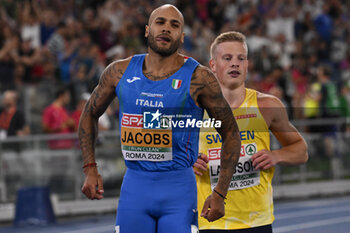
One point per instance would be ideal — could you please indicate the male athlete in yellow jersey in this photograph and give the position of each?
(249, 203)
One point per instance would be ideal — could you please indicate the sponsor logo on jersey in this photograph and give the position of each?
(245, 116)
(156, 95)
(133, 79)
(246, 150)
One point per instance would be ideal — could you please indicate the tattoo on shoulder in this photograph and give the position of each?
(104, 91)
(111, 72)
(196, 85)
(210, 79)
(204, 80)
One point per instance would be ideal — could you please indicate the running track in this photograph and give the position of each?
(331, 215)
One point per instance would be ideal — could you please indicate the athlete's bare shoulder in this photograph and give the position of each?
(104, 92)
(203, 71)
(114, 72)
(268, 101)
(203, 76)
(271, 107)
(123, 63)
(205, 84)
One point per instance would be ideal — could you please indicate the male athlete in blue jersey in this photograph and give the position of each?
(158, 193)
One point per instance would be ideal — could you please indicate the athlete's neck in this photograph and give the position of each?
(234, 96)
(157, 67)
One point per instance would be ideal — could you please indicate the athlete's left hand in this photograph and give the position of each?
(264, 159)
(213, 208)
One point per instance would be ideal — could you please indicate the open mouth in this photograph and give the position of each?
(234, 73)
(163, 38)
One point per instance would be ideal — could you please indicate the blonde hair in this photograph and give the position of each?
(231, 36)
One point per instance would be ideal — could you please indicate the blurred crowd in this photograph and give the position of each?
(52, 52)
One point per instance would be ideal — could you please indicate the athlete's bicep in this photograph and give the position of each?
(209, 96)
(280, 125)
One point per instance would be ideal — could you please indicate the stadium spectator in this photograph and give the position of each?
(330, 99)
(27, 56)
(56, 42)
(324, 24)
(258, 39)
(12, 121)
(91, 24)
(79, 82)
(56, 119)
(299, 77)
(48, 24)
(29, 24)
(106, 37)
(329, 108)
(66, 58)
(291, 34)
(9, 44)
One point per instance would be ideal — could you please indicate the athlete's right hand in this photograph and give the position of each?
(93, 184)
(213, 208)
(201, 164)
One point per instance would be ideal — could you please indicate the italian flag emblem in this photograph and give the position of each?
(176, 84)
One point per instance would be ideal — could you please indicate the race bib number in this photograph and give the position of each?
(244, 177)
(143, 144)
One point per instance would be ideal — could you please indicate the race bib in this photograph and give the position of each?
(244, 177)
(143, 144)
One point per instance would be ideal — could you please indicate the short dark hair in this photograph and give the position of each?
(61, 91)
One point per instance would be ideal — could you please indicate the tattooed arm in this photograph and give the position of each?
(206, 92)
(100, 98)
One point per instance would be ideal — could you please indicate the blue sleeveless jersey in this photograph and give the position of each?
(157, 118)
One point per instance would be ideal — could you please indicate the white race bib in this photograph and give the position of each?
(244, 177)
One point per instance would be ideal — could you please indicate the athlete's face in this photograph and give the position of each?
(165, 31)
(230, 63)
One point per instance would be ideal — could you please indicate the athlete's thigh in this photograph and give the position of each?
(135, 221)
(178, 221)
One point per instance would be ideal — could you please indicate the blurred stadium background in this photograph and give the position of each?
(47, 44)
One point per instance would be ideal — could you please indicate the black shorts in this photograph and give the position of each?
(262, 229)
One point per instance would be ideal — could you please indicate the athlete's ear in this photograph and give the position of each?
(212, 65)
(146, 31)
(183, 38)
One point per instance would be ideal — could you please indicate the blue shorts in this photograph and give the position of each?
(157, 202)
